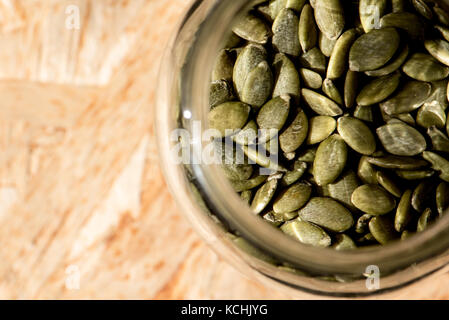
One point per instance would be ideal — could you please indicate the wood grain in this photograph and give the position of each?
(80, 186)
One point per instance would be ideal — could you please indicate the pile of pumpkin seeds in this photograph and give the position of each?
(358, 92)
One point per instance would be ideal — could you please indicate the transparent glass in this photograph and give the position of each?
(218, 214)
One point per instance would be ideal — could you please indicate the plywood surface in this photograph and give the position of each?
(84, 210)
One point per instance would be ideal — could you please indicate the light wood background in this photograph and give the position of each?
(84, 210)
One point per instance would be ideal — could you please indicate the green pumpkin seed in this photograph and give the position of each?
(228, 117)
(424, 220)
(243, 185)
(357, 135)
(370, 13)
(308, 155)
(439, 94)
(350, 90)
(439, 49)
(247, 135)
(246, 196)
(277, 5)
(438, 164)
(321, 104)
(327, 168)
(401, 139)
(307, 233)
(258, 85)
(403, 212)
(286, 77)
(441, 15)
(422, 195)
(372, 199)
(326, 45)
(378, 89)
(263, 196)
(317, 211)
(398, 5)
(293, 198)
(362, 223)
(366, 239)
(220, 92)
(342, 189)
(395, 63)
(259, 157)
(338, 60)
(431, 114)
(290, 177)
(423, 9)
(247, 60)
(285, 33)
(329, 16)
(364, 113)
(343, 242)
(366, 172)
(279, 218)
(395, 162)
(238, 171)
(223, 67)
(388, 183)
(373, 49)
(424, 67)
(444, 32)
(406, 21)
(252, 29)
(415, 174)
(406, 235)
(320, 128)
(410, 97)
(442, 198)
(440, 141)
(311, 78)
(331, 90)
(272, 117)
(307, 29)
(295, 134)
(315, 60)
(382, 230)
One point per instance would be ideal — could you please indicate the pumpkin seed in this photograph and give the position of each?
(343, 188)
(392, 66)
(247, 135)
(406, 21)
(277, 5)
(272, 117)
(403, 212)
(326, 45)
(314, 59)
(286, 78)
(406, 235)
(338, 60)
(439, 49)
(320, 128)
(410, 97)
(388, 183)
(357, 135)
(441, 15)
(395, 162)
(246, 196)
(260, 158)
(424, 67)
(285, 33)
(247, 60)
(382, 230)
(258, 85)
(290, 177)
(362, 223)
(321, 104)
(431, 114)
(307, 233)
(424, 220)
(243, 185)
(317, 211)
(350, 91)
(311, 78)
(307, 29)
(263, 196)
(444, 32)
(343, 242)
(331, 90)
(373, 199)
(422, 195)
(398, 5)
(364, 113)
(329, 16)
(401, 139)
(252, 29)
(228, 117)
(330, 160)
(440, 142)
(293, 198)
(415, 174)
(373, 49)
(378, 89)
(438, 163)
(422, 9)
(370, 13)
(442, 198)
(220, 92)
(224, 66)
(366, 172)
(295, 134)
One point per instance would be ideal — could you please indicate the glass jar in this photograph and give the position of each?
(219, 215)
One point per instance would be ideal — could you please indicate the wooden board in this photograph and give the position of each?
(84, 209)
